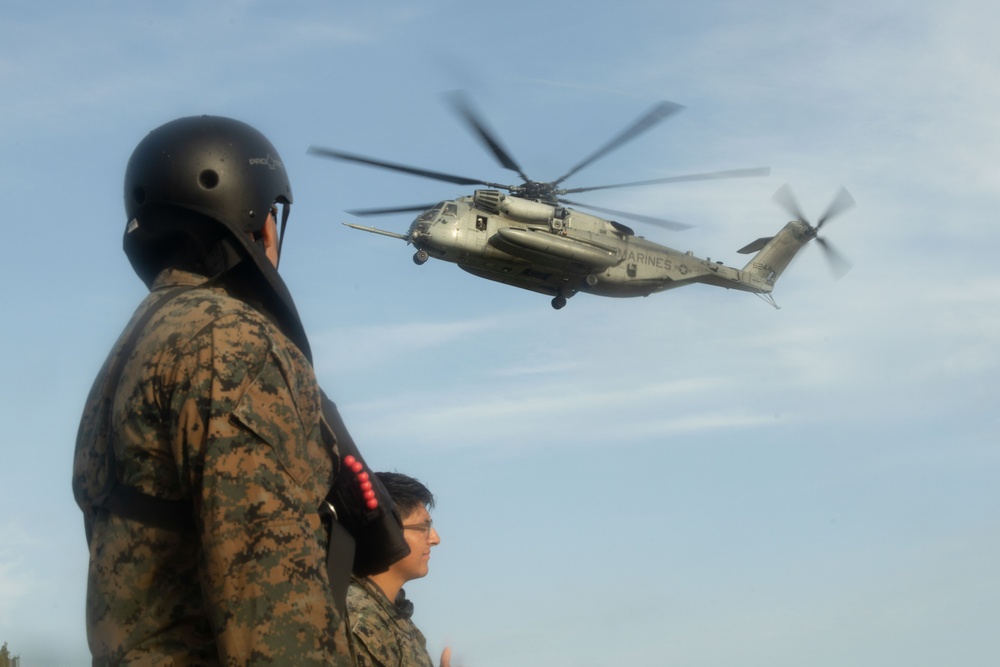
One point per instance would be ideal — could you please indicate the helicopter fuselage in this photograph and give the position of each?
(560, 251)
(530, 238)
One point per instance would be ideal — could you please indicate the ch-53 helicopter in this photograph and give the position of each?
(528, 236)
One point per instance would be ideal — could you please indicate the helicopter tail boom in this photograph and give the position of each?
(774, 255)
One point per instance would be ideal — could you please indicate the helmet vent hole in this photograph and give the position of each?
(138, 195)
(208, 179)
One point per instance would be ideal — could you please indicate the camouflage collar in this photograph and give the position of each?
(169, 277)
(402, 608)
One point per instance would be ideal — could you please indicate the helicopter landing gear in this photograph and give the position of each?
(558, 302)
(420, 256)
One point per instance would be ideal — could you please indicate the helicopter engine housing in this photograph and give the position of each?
(516, 208)
(526, 210)
(487, 200)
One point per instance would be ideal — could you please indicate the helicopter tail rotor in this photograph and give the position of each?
(839, 264)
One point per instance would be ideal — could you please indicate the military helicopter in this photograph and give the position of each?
(528, 235)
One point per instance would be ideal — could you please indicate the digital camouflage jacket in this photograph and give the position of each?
(383, 634)
(218, 409)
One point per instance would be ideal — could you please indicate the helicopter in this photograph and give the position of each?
(530, 236)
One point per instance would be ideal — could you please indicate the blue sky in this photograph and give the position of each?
(693, 478)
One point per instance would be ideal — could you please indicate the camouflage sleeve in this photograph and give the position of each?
(366, 656)
(251, 458)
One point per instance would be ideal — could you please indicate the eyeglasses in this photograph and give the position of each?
(424, 527)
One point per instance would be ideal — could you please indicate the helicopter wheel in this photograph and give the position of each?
(558, 302)
(420, 257)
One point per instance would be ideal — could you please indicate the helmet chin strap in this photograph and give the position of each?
(285, 209)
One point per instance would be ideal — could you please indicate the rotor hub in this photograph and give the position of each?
(538, 191)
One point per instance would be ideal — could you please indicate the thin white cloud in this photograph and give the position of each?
(551, 413)
(351, 348)
(547, 369)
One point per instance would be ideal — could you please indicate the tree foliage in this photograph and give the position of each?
(6, 659)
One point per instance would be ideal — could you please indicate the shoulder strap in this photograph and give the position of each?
(123, 499)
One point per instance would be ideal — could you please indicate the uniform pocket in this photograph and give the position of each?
(270, 410)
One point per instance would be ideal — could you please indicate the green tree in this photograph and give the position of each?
(6, 659)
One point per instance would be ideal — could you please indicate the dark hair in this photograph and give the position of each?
(406, 492)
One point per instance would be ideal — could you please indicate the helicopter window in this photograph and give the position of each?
(430, 214)
(451, 210)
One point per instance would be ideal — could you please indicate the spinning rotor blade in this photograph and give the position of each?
(362, 212)
(659, 222)
(839, 265)
(654, 116)
(463, 107)
(840, 203)
(784, 198)
(426, 173)
(732, 173)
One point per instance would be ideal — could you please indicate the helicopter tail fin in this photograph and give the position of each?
(773, 255)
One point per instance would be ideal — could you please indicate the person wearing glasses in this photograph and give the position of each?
(379, 615)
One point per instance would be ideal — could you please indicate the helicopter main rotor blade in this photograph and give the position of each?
(841, 202)
(659, 222)
(362, 212)
(463, 107)
(426, 173)
(651, 118)
(732, 173)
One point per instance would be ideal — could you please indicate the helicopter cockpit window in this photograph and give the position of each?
(451, 210)
(430, 214)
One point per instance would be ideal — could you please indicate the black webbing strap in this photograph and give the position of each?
(123, 499)
(285, 210)
(339, 556)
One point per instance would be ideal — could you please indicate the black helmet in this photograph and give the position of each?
(216, 166)
(199, 187)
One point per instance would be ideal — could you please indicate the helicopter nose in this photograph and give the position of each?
(418, 231)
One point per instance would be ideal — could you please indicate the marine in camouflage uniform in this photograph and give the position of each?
(378, 612)
(217, 411)
(383, 633)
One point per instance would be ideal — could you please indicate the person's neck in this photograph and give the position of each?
(389, 583)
